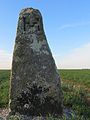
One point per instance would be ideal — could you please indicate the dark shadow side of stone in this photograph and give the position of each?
(35, 101)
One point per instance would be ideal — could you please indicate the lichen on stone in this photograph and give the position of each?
(35, 100)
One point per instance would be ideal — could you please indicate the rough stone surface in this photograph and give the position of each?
(35, 82)
(1, 118)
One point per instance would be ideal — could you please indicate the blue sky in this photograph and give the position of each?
(67, 27)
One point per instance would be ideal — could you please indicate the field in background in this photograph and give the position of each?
(4, 87)
(75, 86)
(81, 77)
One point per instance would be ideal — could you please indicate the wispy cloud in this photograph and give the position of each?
(74, 25)
(78, 58)
(5, 60)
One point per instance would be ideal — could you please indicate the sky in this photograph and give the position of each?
(66, 25)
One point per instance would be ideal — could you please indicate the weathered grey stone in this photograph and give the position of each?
(35, 82)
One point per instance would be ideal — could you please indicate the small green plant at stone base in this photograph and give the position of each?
(14, 117)
(64, 117)
(51, 118)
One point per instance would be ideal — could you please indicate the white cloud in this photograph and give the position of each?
(5, 60)
(74, 25)
(78, 58)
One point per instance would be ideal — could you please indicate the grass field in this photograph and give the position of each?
(81, 77)
(4, 87)
(75, 86)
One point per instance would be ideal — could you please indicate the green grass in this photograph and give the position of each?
(74, 97)
(79, 76)
(4, 87)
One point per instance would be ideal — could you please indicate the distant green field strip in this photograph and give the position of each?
(79, 76)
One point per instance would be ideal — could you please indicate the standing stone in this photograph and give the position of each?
(35, 82)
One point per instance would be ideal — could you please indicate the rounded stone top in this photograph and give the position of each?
(30, 20)
(28, 11)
